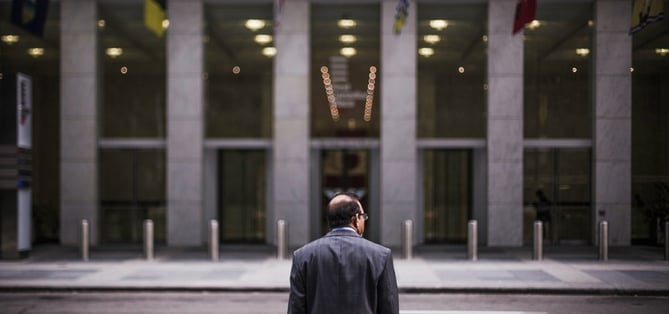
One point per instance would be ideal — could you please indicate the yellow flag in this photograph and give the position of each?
(644, 12)
(154, 14)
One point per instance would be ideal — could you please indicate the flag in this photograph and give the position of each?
(30, 15)
(154, 14)
(401, 15)
(645, 12)
(525, 12)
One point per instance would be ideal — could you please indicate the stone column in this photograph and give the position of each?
(185, 126)
(398, 124)
(78, 120)
(290, 181)
(612, 114)
(505, 126)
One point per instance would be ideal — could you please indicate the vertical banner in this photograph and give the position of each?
(24, 160)
(30, 15)
(24, 110)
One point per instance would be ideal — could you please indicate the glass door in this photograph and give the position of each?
(345, 170)
(557, 191)
(132, 189)
(447, 201)
(242, 196)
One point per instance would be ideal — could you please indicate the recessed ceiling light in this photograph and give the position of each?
(114, 52)
(102, 23)
(438, 24)
(10, 39)
(347, 39)
(662, 51)
(254, 24)
(426, 52)
(582, 51)
(269, 51)
(263, 39)
(347, 51)
(431, 39)
(346, 23)
(534, 24)
(36, 52)
(166, 23)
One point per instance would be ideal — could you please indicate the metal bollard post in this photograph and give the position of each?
(85, 238)
(148, 239)
(213, 240)
(472, 241)
(281, 239)
(666, 241)
(407, 239)
(604, 241)
(538, 241)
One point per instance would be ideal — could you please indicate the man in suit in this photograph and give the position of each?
(342, 272)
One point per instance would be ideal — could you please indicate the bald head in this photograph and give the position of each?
(341, 208)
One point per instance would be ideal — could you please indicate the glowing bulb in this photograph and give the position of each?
(36, 52)
(431, 39)
(254, 24)
(114, 52)
(438, 24)
(269, 51)
(346, 23)
(347, 39)
(426, 52)
(263, 39)
(347, 52)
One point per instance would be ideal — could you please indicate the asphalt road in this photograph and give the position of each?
(218, 302)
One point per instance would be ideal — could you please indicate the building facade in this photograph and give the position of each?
(248, 113)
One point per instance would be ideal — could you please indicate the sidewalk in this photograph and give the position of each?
(564, 270)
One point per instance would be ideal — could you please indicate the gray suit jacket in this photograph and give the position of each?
(343, 273)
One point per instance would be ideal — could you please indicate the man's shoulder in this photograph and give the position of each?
(375, 246)
(357, 241)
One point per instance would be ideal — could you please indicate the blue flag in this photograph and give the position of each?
(30, 15)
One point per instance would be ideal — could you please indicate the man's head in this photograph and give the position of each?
(345, 209)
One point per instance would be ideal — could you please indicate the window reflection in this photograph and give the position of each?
(238, 61)
(451, 70)
(650, 131)
(345, 44)
(557, 82)
(133, 73)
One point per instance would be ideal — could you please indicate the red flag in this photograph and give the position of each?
(525, 11)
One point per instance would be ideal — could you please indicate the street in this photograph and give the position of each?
(252, 302)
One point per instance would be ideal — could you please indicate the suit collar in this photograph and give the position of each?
(342, 232)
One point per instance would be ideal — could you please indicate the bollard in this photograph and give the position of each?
(213, 240)
(538, 253)
(281, 239)
(85, 237)
(148, 239)
(604, 241)
(407, 239)
(666, 241)
(472, 241)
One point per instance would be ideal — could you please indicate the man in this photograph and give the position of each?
(343, 272)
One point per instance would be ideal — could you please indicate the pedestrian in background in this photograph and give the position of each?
(342, 272)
